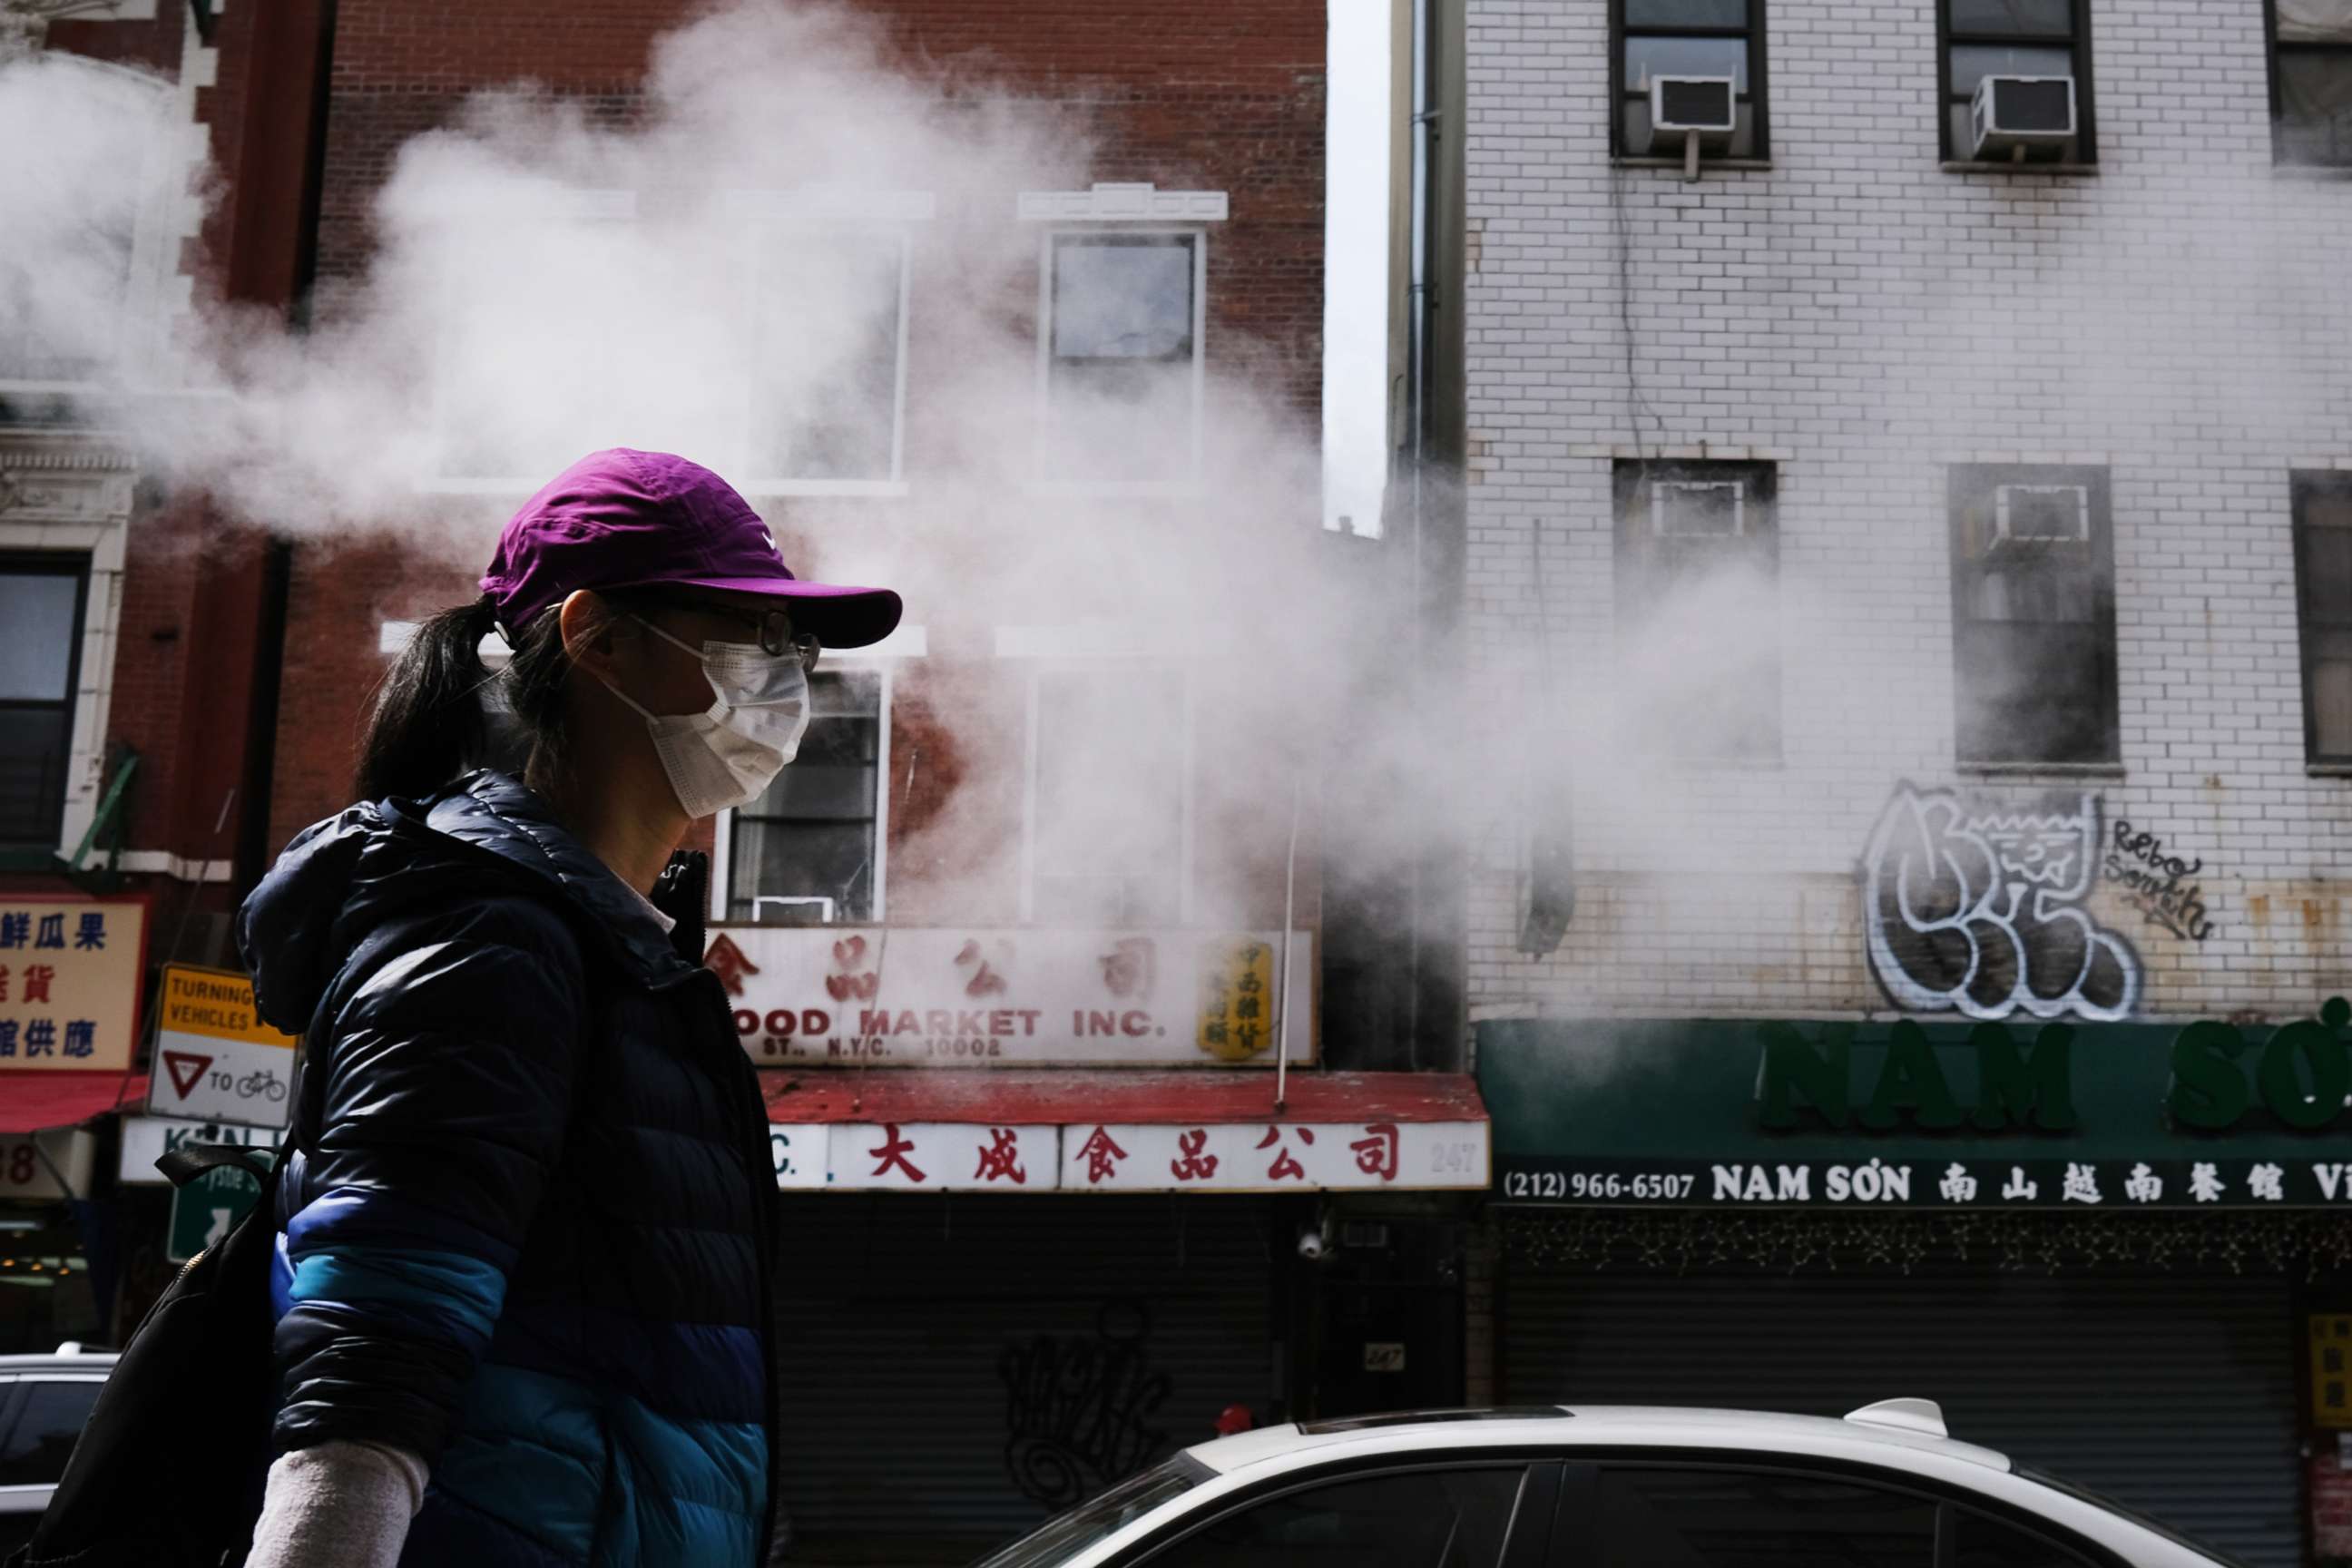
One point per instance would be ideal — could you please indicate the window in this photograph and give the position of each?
(2046, 38)
(828, 359)
(1688, 38)
(2033, 616)
(41, 599)
(1108, 797)
(1979, 1541)
(2323, 580)
(1699, 1518)
(2311, 81)
(1698, 565)
(50, 1418)
(1426, 1519)
(1120, 356)
(809, 851)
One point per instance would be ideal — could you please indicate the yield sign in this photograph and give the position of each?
(185, 1068)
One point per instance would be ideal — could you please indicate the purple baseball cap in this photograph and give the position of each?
(624, 519)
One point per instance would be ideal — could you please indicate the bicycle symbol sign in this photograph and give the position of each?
(226, 1064)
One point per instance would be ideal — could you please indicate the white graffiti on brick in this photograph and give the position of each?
(1982, 913)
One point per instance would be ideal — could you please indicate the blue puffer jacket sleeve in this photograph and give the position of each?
(449, 1068)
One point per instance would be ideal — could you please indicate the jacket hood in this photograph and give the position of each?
(342, 876)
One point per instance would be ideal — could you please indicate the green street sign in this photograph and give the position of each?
(206, 1210)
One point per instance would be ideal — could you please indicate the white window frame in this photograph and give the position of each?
(1089, 649)
(885, 656)
(1123, 209)
(747, 214)
(65, 495)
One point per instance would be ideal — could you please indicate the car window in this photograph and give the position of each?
(1420, 1518)
(1065, 1536)
(1979, 1541)
(48, 1419)
(1700, 1517)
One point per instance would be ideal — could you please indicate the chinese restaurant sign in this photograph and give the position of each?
(69, 979)
(1994, 1115)
(1256, 1157)
(932, 997)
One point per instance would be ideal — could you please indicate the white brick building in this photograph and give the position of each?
(2151, 343)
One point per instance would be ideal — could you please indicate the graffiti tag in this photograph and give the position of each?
(1980, 912)
(1078, 1410)
(2150, 881)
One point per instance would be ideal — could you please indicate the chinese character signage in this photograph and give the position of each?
(70, 981)
(2051, 1115)
(2331, 1369)
(215, 1060)
(1020, 997)
(1107, 1157)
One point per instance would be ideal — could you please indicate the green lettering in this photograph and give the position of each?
(2013, 1090)
(1792, 1066)
(2208, 1089)
(2331, 1075)
(1912, 1080)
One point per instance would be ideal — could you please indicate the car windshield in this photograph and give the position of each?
(1062, 1538)
(2084, 1494)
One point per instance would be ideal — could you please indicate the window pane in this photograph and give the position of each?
(810, 835)
(824, 367)
(2051, 18)
(2331, 707)
(1436, 1518)
(1729, 1519)
(2314, 21)
(2315, 105)
(2031, 693)
(1109, 830)
(2328, 572)
(1731, 14)
(1123, 299)
(1972, 63)
(1646, 58)
(1982, 1543)
(36, 653)
(46, 1426)
(33, 746)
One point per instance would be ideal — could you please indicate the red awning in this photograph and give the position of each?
(33, 1102)
(1016, 1096)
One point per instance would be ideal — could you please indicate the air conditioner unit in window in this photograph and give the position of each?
(1683, 108)
(2013, 114)
(2035, 516)
(1698, 508)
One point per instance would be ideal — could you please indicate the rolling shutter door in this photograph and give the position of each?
(2173, 1395)
(901, 1318)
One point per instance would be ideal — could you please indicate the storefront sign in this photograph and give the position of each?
(69, 979)
(1016, 998)
(1257, 1157)
(1992, 1115)
(31, 1165)
(147, 1139)
(215, 1059)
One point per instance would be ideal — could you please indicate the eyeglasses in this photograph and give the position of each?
(772, 629)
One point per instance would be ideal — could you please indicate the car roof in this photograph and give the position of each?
(66, 1361)
(1897, 1426)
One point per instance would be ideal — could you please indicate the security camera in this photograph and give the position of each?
(1311, 1243)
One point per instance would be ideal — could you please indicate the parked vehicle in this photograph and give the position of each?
(43, 1401)
(1884, 1487)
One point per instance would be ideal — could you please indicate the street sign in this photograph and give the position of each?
(215, 1060)
(206, 1210)
(147, 1139)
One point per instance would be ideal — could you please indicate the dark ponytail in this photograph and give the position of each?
(429, 724)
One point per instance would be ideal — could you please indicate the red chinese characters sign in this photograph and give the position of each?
(1022, 997)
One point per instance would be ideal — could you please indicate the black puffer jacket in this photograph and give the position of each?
(527, 1234)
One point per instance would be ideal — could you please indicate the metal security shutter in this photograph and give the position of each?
(896, 1315)
(2173, 1395)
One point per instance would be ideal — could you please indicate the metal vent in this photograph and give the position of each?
(1693, 103)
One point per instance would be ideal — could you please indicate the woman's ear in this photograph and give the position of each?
(587, 626)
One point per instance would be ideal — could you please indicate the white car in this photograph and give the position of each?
(1601, 1487)
(44, 1400)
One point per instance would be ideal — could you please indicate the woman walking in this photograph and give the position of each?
(526, 1214)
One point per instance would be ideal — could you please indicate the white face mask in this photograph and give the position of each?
(732, 752)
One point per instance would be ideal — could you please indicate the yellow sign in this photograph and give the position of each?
(2331, 1369)
(217, 1004)
(69, 978)
(1237, 1003)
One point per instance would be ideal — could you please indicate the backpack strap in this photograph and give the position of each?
(183, 1165)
